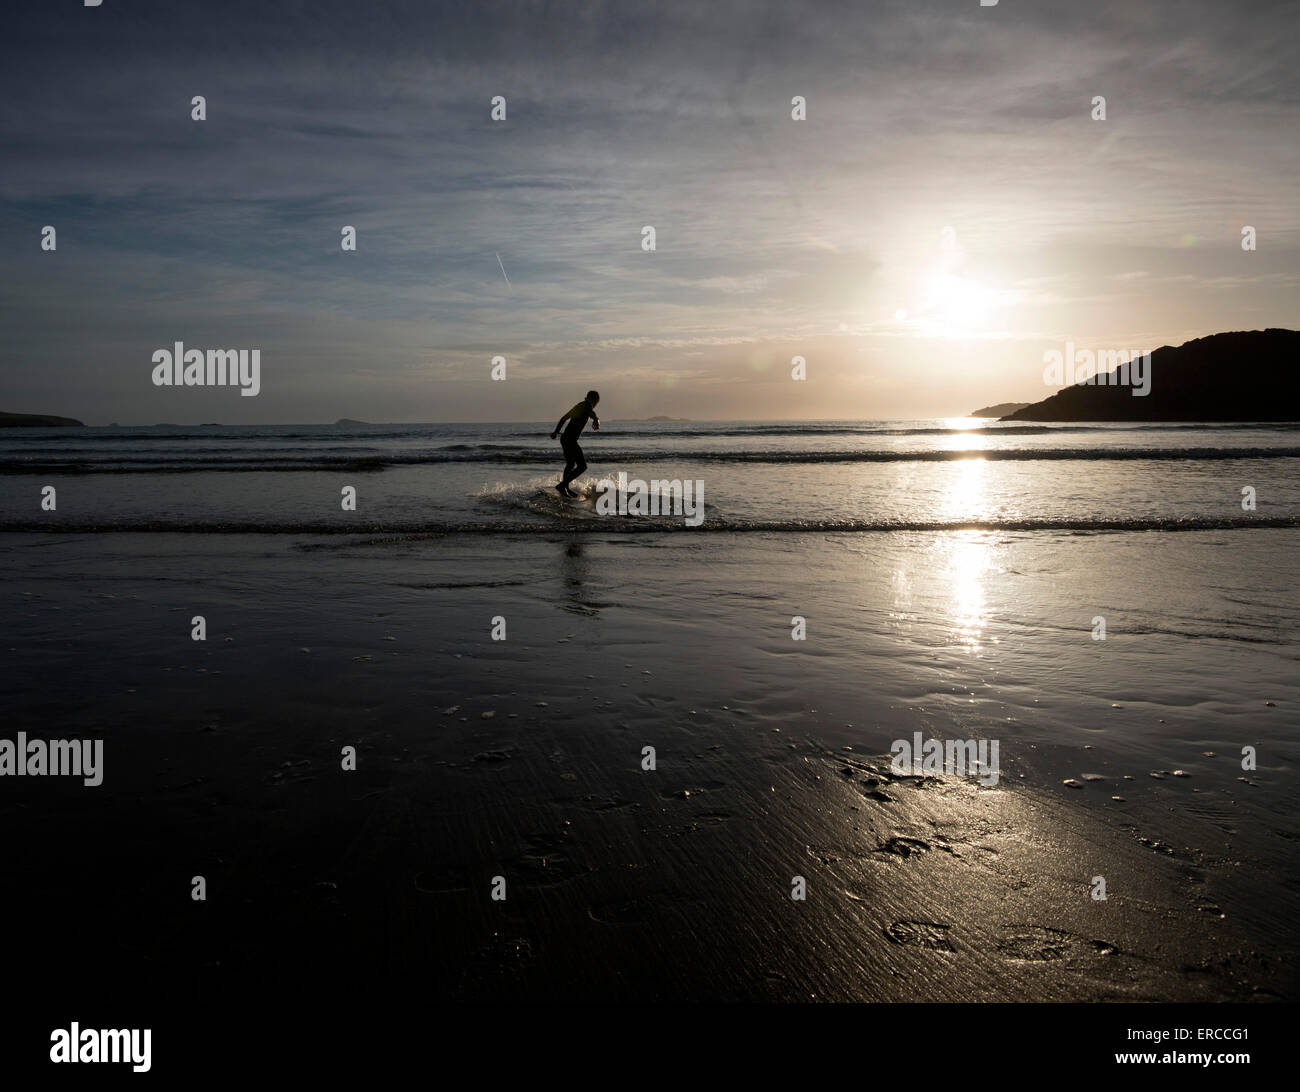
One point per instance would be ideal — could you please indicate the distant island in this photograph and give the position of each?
(1238, 376)
(349, 421)
(1002, 409)
(659, 418)
(38, 420)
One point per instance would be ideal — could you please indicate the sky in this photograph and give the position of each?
(947, 211)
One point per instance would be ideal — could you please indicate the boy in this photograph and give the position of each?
(574, 463)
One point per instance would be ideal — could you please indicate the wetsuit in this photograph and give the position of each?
(574, 463)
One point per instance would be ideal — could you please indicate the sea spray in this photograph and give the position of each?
(658, 497)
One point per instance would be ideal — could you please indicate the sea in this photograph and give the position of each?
(756, 475)
(1115, 604)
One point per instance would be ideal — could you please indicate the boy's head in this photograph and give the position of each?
(593, 397)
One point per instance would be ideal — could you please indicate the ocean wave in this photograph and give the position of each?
(1010, 428)
(633, 525)
(455, 437)
(228, 463)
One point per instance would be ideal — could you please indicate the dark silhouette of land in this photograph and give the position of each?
(1002, 409)
(1239, 376)
(37, 420)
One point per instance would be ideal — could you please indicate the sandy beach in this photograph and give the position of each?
(522, 759)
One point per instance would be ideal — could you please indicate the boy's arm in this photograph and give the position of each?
(595, 421)
(558, 425)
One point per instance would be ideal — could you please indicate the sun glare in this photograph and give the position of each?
(954, 301)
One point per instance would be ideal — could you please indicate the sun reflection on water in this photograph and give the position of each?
(964, 498)
(946, 582)
(969, 560)
(969, 552)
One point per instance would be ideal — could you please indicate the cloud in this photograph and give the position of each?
(675, 115)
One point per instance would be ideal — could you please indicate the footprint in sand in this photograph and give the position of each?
(545, 861)
(921, 934)
(904, 847)
(1040, 944)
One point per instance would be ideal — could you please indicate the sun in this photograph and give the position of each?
(954, 301)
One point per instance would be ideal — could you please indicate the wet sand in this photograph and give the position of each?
(223, 760)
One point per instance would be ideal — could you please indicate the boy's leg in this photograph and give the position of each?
(573, 463)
